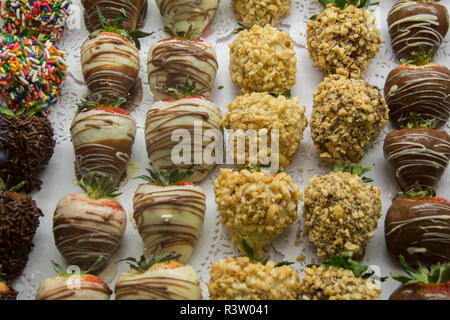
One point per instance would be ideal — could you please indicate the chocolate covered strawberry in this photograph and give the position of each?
(135, 13)
(417, 227)
(424, 284)
(418, 153)
(188, 112)
(420, 87)
(110, 62)
(417, 24)
(160, 277)
(74, 286)
(103, 138)
(169, 212)
(19, 220)
(86, 227)
(184, 16)
(171, 61)
(6, 293)
(26, 145)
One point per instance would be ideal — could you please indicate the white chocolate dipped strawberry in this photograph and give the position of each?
(184, 15)
(186, 111)
(110, 62)
(171, 61)
(103, 138)
(70, 286)
(158, 278)
(169, 213)
(88, 226)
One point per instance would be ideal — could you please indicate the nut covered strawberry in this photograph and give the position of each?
(169, 212)
(171, 61)
(418, 153)
(424, 284)
(417, 24)
(103, 138)
(158, 278)
(86, 227)
(417, 226)
(110, 62)
(70, 286)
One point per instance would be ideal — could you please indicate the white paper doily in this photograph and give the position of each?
(214, 242)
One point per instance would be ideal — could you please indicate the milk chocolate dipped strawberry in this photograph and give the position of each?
(418, 154)
(19, 220)
(182, 16)
(417, 227)
(171, 61)
(424, 284)
(26, 145)
(420, 87)
(86, 227)
(417, 24)
(102, 137)
(187, 111)
(160, 277)
(135, 13)
(110, 62)
(6, 293)
(74, 286)
(169, 212)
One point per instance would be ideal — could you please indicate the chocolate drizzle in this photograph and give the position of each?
(423, 90)
(163, 118)
(418, 156)
(136, 13)
(65, 288)
(19, 220)
(419, 231)
(171, 217)
(417, 24)
(26, 147)
(170, 62)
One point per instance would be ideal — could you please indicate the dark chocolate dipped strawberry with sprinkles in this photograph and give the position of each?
(19, 220)
(418, 153)
(6, 292)
(423, 284)
(418, 86)
(26, 145)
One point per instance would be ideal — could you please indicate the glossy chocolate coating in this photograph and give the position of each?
(413, 292)
(417, 155)
(416, 24)
(424, 90)
(419, 231)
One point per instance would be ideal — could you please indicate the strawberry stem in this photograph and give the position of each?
(61, 272)
(437, 274)
(145, 264)
(89, 105)
(418, 192)
(100, 187)
(189, 89)
(354, 169)
(416, 121)
(4, 186)
(163, 178)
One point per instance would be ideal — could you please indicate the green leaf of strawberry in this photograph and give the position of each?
(100, 187)
(416, 121)
(144, 264)
(89, 105)
(354, 169)
(61, 272)
(437, 274)
(250, 253)
(163, 178)
(4, 186)
(418, 192)
(189, 89)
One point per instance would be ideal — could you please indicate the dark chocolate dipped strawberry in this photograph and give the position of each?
(19, 220)
(110, 63)
(86, 227)
(418, 153)
(420, 87)
(136, 13)
(424, 284)
(26, 145)
(74, 286)
(417, 24)
(103, 138)
(171, 61)
(417, 226)
(6, 292)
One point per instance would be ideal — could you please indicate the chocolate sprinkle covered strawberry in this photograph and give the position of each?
(417, 24)
(19, 220)
(169, 212)
(26, 145)
(418, 154)
(417, 227)
(424, 284)
(86, 227)
(135, 13)
(6, 293)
